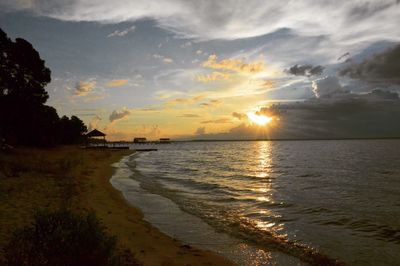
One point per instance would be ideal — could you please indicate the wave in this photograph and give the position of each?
(329, 204)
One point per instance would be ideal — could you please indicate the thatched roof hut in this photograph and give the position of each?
(94, 136)
(95, 133)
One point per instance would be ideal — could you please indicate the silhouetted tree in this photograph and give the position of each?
(23, 74)
(71, 130)
(24, 119)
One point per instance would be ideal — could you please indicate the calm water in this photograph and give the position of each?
(339, 198)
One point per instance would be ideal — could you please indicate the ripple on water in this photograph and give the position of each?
(338, 198)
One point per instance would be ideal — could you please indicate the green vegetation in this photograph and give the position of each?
(62, 238)
(43, 178)
(55, 180)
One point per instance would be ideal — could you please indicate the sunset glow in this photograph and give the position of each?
(264, 132)
(178, 70)
(260, 120)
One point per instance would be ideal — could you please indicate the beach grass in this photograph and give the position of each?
(78, 180)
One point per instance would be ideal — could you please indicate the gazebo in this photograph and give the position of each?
(96, 137)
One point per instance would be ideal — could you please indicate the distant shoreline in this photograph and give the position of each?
(233, 140)
(215, 140)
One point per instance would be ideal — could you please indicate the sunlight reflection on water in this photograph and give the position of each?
(339, 197)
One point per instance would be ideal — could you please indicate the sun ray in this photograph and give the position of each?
(260, 120)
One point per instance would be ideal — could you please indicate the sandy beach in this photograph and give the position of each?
(68, 176)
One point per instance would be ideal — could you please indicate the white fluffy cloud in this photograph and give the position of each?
(347, 21)
(326, 87)
(121, 33)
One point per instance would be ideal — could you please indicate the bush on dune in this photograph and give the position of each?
(62, 238)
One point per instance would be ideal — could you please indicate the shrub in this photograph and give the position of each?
(62, 238)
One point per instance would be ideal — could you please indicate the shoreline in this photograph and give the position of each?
(80, 179)
(164, 214)
(162, 210)
(151, 246)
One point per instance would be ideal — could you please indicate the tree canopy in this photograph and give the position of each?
(24, 117)
(70, 130)
(23, 74)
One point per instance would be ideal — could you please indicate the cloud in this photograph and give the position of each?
(239, 116)
(211, 103)
(364, 10)
(94, 123)
(121, 33)
(164, 59)
(119, 114)
(150, 109)
(18, 4)
(83, 88)
(82, 115)
(148, 131)
(158, 56)
(217, 121)
(185, 101)
(367, 115)
(168, 60)
(231, 19)
(347, 54)
(200, 131)
(87, 110)
(305, 70)
(380, 95)
(186, 44)
(216, 75)
(179, 101)
(189, 115)
(371, 115)
(263, 84)
(95, 97)
(117, 83)
(380, 68)
(327, 87)
(234, 65)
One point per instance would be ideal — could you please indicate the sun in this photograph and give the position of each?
(260, 120)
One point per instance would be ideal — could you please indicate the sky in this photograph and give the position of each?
(187, 69)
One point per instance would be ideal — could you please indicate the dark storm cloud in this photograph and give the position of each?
(346, 115)
(370, 115)
(381, 68)
(305, 70)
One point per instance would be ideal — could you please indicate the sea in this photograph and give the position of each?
(315, 202)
